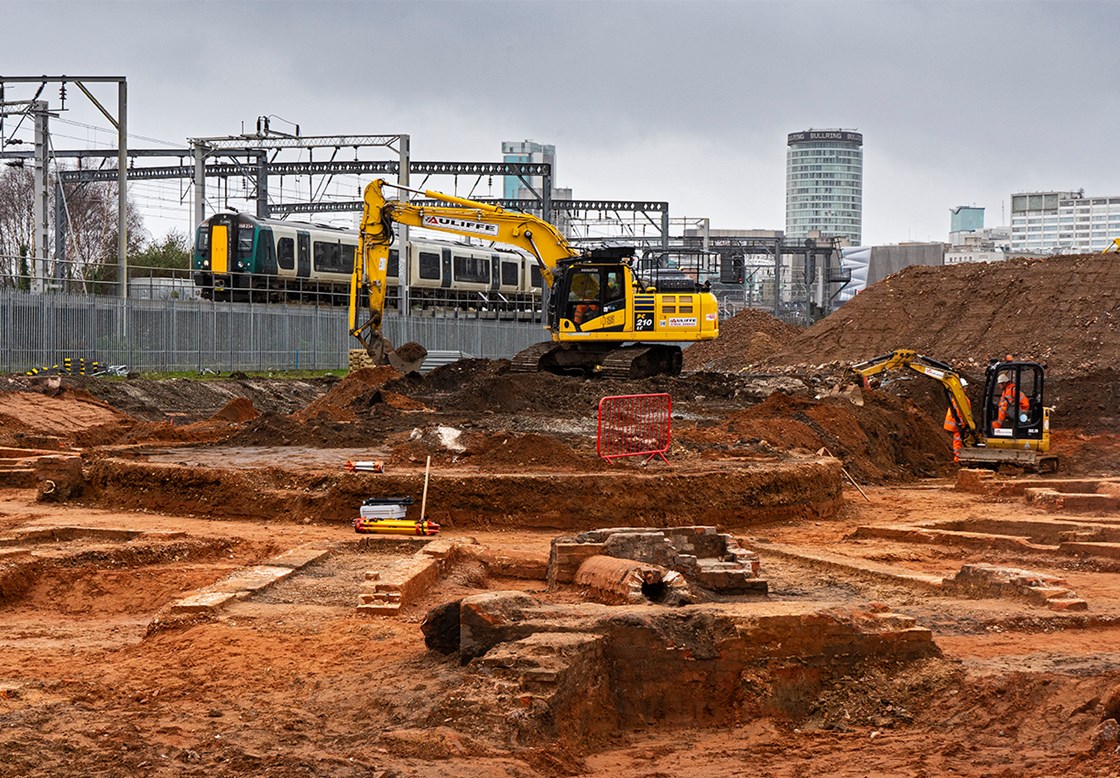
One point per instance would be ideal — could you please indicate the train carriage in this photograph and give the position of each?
(241, 257)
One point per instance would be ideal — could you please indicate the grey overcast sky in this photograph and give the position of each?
(960, 103)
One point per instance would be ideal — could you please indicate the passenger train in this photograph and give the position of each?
(244, 258)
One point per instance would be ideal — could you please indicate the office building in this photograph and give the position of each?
(824, 185)
(1063, 222)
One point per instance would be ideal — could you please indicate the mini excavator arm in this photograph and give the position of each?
(1113, 247)
(906, 359)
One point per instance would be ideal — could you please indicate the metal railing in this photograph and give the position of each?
(180, 334)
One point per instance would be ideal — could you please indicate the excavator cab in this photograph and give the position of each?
(1014, 407)
(588, 292)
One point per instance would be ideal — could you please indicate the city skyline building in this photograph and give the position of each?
(966, 218)
(526, 151)
(1063, 222)
(824, 185)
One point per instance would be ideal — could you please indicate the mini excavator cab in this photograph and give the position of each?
(1014, 406)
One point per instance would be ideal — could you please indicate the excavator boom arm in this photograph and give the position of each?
(906, 359)
(464, 217)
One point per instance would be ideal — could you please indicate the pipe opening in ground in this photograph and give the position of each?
(654, 591)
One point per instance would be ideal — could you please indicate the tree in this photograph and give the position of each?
(91, 215)
(162, 259)
(16, 226)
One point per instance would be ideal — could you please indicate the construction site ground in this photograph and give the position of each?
(180, 579)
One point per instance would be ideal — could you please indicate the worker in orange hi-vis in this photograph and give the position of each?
(954, 426)
(1008, 401)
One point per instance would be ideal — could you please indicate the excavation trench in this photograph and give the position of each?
(725, 493)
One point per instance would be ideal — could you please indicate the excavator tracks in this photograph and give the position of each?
(642, 362)
(627, 363)
(528, 360)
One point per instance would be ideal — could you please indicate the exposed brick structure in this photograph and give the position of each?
(705, 557)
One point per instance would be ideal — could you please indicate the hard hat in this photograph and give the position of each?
(964, 382)
(1003, 378)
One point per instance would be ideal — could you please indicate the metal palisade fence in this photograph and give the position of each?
(41, 330)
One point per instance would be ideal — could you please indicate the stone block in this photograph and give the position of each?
(397, 587)
(510, 564)
(486, 620)
(974, 480)
(566, 556)
(1067, 604)
(58, 477)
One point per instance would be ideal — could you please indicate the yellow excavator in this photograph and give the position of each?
(1014, 422)
(603, 317)
(1113, 247)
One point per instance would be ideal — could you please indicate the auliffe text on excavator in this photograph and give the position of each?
(603, 317)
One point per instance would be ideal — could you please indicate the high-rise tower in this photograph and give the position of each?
(526, 151)
(824, 184)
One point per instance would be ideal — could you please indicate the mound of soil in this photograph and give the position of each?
(887, 439)
(510, 448)
(357, 392)
(1082, 454)
(1063, 311)
(237, 409)
(274, 429)
(453, 376)
(745, 339)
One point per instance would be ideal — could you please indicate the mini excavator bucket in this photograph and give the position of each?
(851, 391)
(408, 358)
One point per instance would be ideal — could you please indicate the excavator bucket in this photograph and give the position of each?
(409, 358)
(852, 392)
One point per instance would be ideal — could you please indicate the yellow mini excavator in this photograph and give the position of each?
(603, 317)
(1014, 422)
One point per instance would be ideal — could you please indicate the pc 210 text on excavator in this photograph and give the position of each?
(1014, 422)
(603, 317)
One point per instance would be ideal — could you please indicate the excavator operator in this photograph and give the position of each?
(1007, 401)
(585, 292)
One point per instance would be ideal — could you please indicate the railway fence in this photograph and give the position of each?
(172, 335)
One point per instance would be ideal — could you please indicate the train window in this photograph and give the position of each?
(429, 264)
(394, 269)
(471, 269)
(509, 274)
(346, 258)
(535, 275)
(328, 258)
(286, 253)
(244, 242)
(203, 239)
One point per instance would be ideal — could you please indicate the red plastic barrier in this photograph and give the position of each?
(635, 425)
